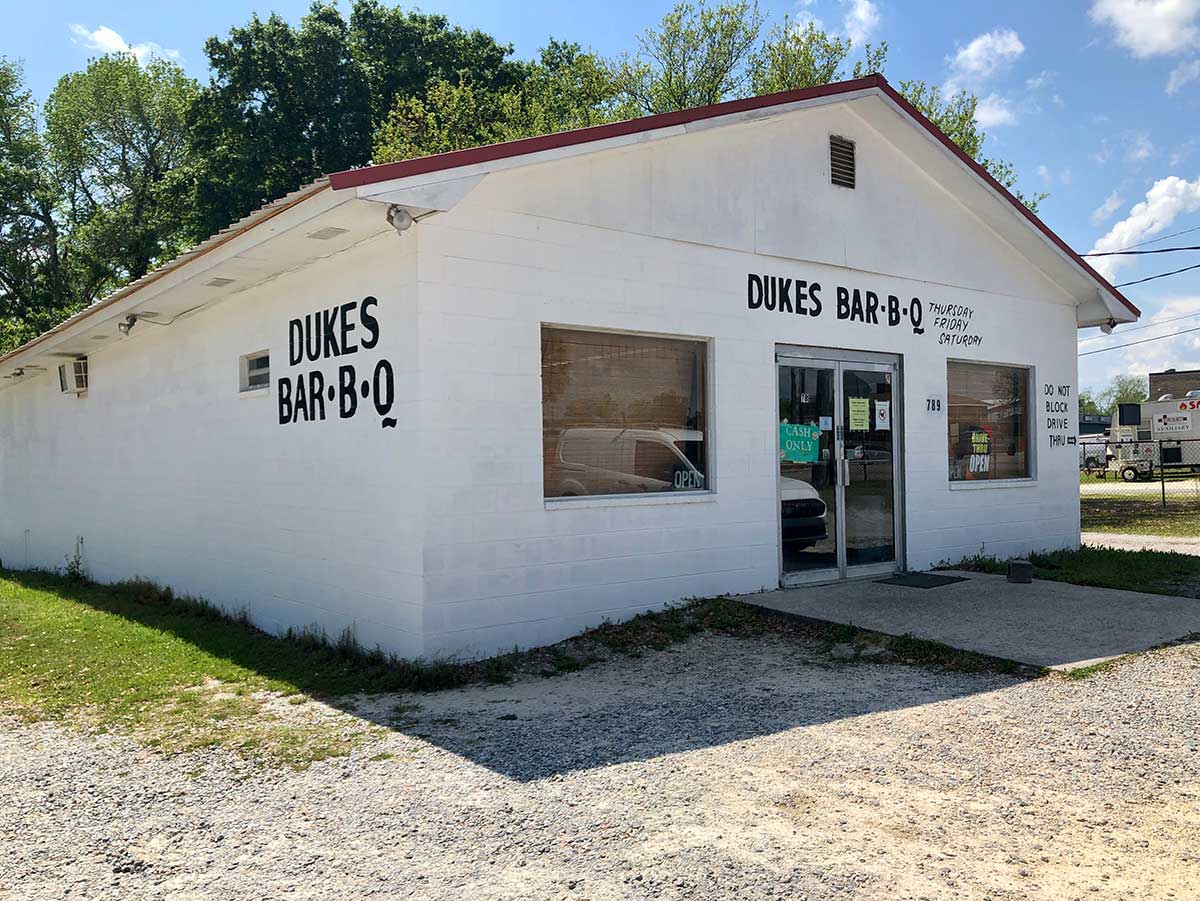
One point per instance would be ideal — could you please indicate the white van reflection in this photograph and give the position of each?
(802, 514)
(623, 461)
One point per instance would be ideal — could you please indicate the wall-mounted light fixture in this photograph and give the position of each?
(127, 326)
(1107, 328)
(399, 218)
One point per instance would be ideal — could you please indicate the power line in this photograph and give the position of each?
(1138, 328)
(1088, 353)
(1162, 238)
(1151, 278)
(1134, 253)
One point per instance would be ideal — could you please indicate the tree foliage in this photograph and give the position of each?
(566, 88)
(697, 55)
(117, 137)
(34, 277)
(795, 56)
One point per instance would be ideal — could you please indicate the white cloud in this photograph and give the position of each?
(1183, 74)
(984, 56)
(861, 20)
(1057, 100)
(1138, 146)
(1040, 80)
(105, 40)
(1150, 27)
(1044, 172)
(1167, 199)
(1178, 351)
(994, 110)
(1106, 210)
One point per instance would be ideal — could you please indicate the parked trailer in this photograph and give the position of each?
(1158, 434)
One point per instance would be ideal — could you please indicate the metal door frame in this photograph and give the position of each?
(837, 360)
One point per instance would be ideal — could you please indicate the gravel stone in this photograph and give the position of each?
(720, 768)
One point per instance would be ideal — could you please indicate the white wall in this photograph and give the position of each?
(660, 238)
(169, 473)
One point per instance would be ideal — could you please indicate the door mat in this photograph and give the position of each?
(921, 580)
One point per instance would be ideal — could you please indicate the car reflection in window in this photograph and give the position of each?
(597, 461)
(803, 514)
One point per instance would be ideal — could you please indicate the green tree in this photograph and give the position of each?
(793, 57)
(284, 106)
(696, 56)
(566, 88)
(448, 117)
(39, 281)
(1089, 405)
(402, 54)
(117, 137)
(1123, 389)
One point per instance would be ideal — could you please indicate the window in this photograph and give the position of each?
(256, 371)
(988, 414)
(622, 414)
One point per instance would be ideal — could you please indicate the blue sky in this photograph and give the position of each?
(1096, 102)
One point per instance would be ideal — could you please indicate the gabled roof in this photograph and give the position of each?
(465, 166)
(509, 150)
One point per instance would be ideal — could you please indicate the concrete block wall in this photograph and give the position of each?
(169, 473)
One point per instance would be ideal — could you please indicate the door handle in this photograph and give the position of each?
(845, 472)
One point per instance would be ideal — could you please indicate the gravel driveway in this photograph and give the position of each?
(722, 768)
(1125, 542)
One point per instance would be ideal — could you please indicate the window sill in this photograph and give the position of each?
(255, 392)
(977, 484)
(630, 500)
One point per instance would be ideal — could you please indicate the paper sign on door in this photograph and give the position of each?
(860, 414)
(799, 443)
(883, 415)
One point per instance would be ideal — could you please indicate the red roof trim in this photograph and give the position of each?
(353, 178)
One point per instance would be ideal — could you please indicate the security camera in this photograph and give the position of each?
(1107, 328)
(399, 218)
(127, 326)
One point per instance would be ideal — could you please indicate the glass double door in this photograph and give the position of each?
(839, 497)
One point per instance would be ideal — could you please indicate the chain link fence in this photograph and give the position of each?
(1127, 485)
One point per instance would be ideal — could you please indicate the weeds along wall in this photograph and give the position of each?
(167, 471)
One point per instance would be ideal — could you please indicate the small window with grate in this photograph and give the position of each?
(841, 161)
(255, 371)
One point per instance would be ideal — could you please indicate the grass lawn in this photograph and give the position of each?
(1136, 508)
(1155, 572)
(178, 675)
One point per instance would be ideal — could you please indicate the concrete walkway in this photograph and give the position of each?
(1048, 624)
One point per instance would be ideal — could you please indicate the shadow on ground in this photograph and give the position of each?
(730, 673)
(710, 691)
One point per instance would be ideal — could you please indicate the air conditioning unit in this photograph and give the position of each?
(73, 376)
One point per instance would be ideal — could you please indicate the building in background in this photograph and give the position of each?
(494, 397)
(1176, 382)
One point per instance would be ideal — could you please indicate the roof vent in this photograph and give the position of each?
(219, 282)
(330, 231)
(841, 161)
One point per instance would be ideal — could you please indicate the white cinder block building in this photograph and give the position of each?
(493, 397)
